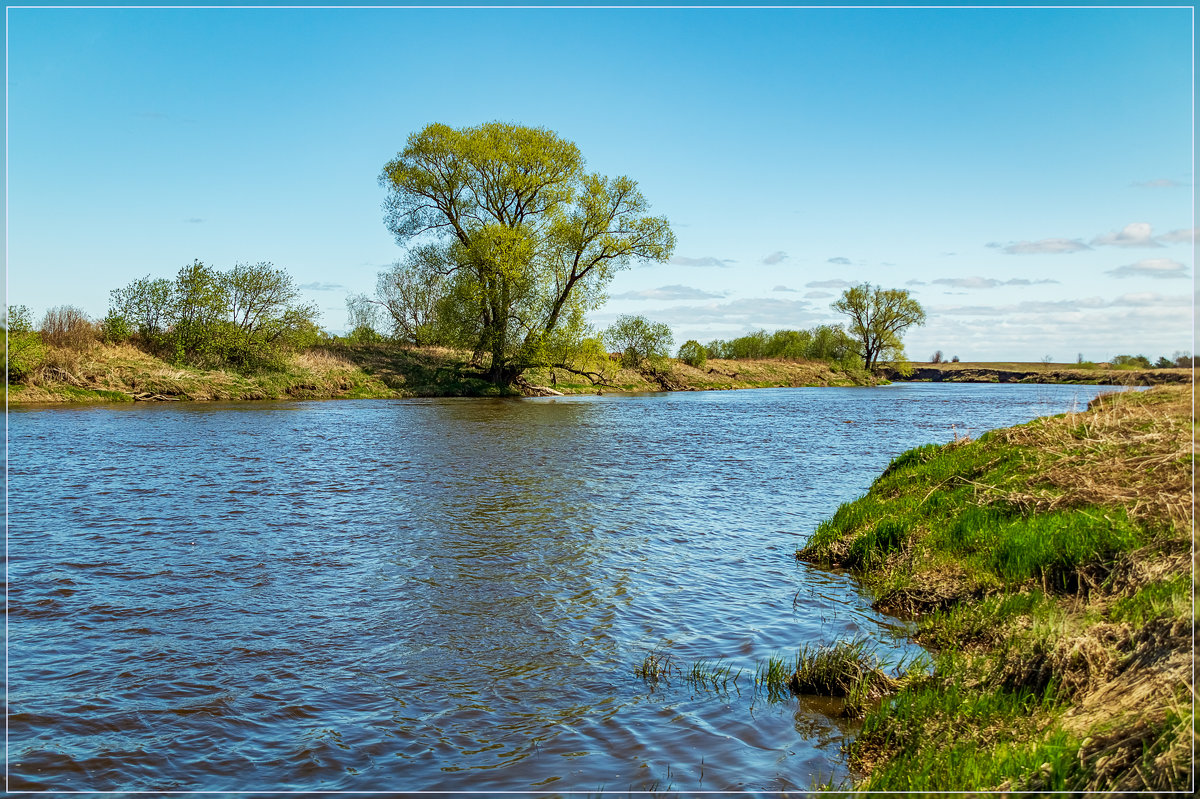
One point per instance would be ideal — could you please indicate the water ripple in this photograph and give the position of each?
(440, 594)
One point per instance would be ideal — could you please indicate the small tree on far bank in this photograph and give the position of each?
(878, 319)
(693, 354)
(640, 341)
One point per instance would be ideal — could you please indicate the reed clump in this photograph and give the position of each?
(847, 670)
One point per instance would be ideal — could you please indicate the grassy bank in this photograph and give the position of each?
(1048, 567)
(122, 373)
(1018, 372)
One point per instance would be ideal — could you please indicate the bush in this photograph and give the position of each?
(115, 329)
(246, 317)
(640, 341)
(68, 326)
(936, 357)
(1130, 362)
(24, 351)
(954, 359)
(364, 334)
(693, 354)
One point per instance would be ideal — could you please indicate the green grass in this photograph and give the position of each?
(941, 507)
(985, 622)
(1046, 567)
(715, 674)
(1171, 597)
(942, 732)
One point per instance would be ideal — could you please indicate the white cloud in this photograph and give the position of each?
(775, 257)
(1148, 299)
(317, 286)
(1067, 307)
(828, 284)
(1160, 183)
(1042, 247)
(986, 282)
(818, 295)
(755, 312)
(783, 288)
(1179, 236)
(840, 260)
(915, 282)
(675, 292)
(1135, 234)
(1151, 267)
(680, 260)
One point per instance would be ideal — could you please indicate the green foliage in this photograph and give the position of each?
(246, 317)
(1130, 362)
(828, 343)
(24, 351)
(878, 318)
(510, 239)
(1163, 362)
(115, 329)
(693, 354)
(362, 318)
(984, 621)
(640, 341)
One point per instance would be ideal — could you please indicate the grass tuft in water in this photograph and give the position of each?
(656, 666)
(847, 669)
(716, 675)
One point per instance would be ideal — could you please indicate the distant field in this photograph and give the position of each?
(1038, 372)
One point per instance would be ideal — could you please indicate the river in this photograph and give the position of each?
(442, 594)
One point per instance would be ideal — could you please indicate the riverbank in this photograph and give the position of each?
(1048, 567)
(1009, 372)
(122, 373)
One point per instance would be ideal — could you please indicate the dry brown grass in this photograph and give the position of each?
(1133, 452)
(321, 361)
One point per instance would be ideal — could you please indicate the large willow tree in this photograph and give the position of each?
(518, 238)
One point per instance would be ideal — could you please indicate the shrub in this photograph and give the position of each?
(639, 341)
(24, 351)
(364, 334)
(1131, 362)
(954, 359)
(68, 326)
(936, 357)
(693, 354)
(246, 316)
(115, 329)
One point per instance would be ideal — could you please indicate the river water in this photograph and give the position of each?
(442, 594)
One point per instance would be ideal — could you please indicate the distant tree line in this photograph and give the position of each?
(1179, 360)
(829, 343)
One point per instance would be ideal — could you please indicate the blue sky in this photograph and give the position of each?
(1026, 173)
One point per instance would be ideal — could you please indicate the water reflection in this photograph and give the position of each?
(440, 594)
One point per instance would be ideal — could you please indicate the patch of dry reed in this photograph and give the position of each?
(1127, 450)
